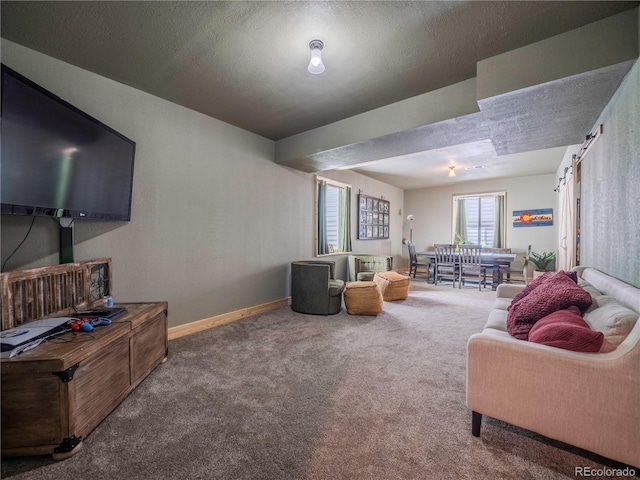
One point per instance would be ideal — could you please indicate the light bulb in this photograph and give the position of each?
(452, 172)
(315, 58)
(315, 65)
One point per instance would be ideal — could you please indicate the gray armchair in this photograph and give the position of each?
(314, 288)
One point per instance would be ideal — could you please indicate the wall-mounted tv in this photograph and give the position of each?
(59, 161)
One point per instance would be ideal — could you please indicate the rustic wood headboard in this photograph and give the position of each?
(57, 290)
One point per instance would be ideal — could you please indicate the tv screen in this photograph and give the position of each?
(57, 160)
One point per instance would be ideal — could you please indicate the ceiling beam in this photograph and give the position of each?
(543, 95)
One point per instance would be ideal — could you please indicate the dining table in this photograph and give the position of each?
(491, 260)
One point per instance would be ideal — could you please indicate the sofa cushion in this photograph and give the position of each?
(556, 293)
(502, 304)
(335, 287)
(497, 320)
(593, 291)
(365, 276)
(566, 329)
(611, 318)
(608, 285)
(373, 264)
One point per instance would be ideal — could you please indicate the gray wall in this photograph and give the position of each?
(215, 222)
(374, 188)
(433, 210)
(611, 187)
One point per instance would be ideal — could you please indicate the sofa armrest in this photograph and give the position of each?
(589, 400)
(507, 290)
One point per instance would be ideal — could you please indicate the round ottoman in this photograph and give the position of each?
(392, 285)
(362, 298)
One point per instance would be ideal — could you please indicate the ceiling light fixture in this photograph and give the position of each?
(315, 65)
(452, 172)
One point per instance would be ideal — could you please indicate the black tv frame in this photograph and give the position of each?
(66, 217)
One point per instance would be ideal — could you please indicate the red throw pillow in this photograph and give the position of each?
(556, 293)
(566, 329)
(536, 282)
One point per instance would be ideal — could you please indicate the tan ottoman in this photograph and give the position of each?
(362, 298)
(392, 285)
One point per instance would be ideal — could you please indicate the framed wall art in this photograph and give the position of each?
(542, 217)
(373, 218)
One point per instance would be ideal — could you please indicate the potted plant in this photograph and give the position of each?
(460, 240)
(542, 260)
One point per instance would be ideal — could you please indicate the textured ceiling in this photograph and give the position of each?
(245, 63)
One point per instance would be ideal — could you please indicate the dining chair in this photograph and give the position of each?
(446, 263)
(414, 264)
(513, 274)
(470, 265)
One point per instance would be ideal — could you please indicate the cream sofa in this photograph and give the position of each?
(589, 400)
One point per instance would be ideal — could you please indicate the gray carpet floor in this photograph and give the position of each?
(291, 396)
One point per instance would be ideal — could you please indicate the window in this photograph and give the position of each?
(332, 214)
(480, 219)
(333, 200)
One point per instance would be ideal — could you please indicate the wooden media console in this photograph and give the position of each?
(55, 394)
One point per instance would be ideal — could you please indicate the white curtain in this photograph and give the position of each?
(565, 221)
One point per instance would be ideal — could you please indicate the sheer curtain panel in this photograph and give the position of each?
(566, 228)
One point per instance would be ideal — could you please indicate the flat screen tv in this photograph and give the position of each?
(58, 161)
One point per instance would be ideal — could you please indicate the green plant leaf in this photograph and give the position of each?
(542, 260)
